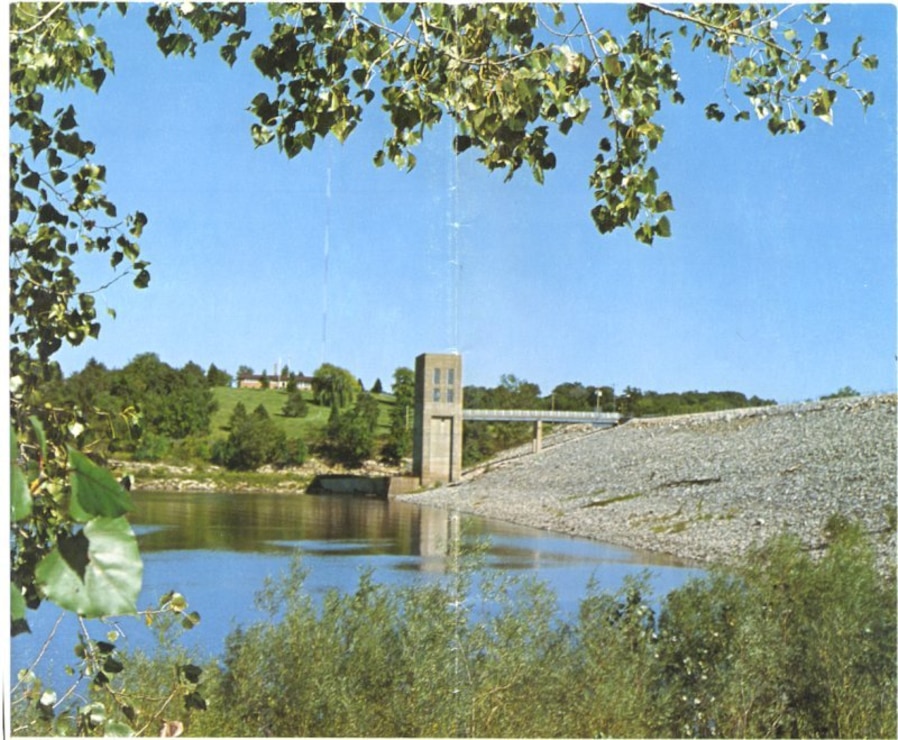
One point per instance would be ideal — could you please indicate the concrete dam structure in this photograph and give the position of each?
(440, 415)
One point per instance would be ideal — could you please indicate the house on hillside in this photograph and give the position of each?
(303, 382)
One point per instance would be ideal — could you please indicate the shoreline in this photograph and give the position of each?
(703, 487)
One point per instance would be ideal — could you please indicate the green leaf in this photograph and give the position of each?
(393, 11)
(662, 228)
(95, 713)
(38, 427)
(142, 280)
(664, 202)
(822, 102)
(16, 603)
(138, 222)
(190, 620)
(191, 673)
(95, 573)
(870, 62)
(19, 493)
(95, 492)
(613, 66)
(114, 728)
(112, 665)
(713, 112)
(194, 700)
(177, 602)
(67, 119)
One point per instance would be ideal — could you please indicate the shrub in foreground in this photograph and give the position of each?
(784, 645)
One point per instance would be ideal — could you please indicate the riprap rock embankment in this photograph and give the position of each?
(705, 486)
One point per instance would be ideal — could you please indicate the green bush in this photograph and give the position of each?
(255, 440)
(296, 406)
(152, 447)
(191, 450)
(784, 645)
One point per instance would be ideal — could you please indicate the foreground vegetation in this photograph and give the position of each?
(786, 645)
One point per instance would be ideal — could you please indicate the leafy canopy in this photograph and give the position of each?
(510, 76)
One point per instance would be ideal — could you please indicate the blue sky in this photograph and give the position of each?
(779, 280)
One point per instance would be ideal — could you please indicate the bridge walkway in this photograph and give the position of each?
(596, 418)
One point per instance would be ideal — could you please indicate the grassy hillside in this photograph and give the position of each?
(309, 428)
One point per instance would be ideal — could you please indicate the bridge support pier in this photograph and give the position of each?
(537, 436)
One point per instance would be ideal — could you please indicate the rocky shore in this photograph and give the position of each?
(704, 487)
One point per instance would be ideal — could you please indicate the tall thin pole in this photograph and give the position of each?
(327, 249)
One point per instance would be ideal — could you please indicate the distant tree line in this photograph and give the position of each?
(482, 439)
(153, 411)
(141, 408)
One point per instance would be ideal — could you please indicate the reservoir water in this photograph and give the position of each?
(217, 549)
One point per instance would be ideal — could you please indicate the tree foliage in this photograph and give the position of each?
(119, 410)
(351, 433)
(60, 216)
(399, 438)
(255, 440)
(334, 387)
(296, 405)
(218, 377)
(511, 77)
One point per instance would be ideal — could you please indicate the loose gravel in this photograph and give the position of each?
(703, 487)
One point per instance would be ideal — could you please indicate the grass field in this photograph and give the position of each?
(309, 428)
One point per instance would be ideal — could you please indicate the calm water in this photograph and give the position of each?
(218, 549)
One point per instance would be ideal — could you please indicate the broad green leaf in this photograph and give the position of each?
(822, 101)
(194, 700)
(94, 712)
(191, 673)
(19, 494)
(393, 11)
(38, 427)
(664, 202)
(114, 728)
(95, 492)
(16, 603)
(190, 620)
(870, 62)
(613, 66)
(142, 280)
(96, 573)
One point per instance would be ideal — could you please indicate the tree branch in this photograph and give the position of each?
(40, 22)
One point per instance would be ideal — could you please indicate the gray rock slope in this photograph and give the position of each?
(703, 487)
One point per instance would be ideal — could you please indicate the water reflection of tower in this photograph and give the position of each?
(438, 530)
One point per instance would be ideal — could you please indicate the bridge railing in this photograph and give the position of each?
(558, 417)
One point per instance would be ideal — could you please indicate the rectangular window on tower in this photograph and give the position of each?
(450, 376)
(450, 395)
(436, 376)
(436, 395)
